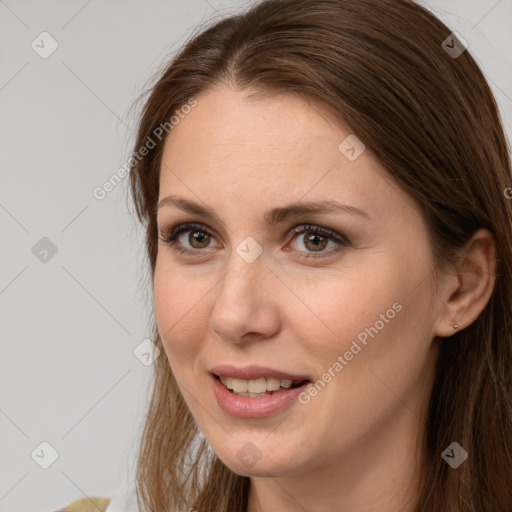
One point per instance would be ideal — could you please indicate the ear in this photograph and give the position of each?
(466, 294)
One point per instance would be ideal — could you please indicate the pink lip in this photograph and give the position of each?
(247, 407)
(254, 372)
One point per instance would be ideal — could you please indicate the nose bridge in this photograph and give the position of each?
(241, 280)
(242, 303)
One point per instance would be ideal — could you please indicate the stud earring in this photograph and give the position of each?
(455, 325)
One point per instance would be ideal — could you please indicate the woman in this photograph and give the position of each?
(323, 185)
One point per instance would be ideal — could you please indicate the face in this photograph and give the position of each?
(344, 307)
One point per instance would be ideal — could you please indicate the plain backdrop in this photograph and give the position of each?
(72, 298)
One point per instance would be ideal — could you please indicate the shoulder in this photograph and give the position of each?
(86, 505)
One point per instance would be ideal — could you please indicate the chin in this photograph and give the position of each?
(249, 460)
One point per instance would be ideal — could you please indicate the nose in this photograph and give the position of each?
(246, 305)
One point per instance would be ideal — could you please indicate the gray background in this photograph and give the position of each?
(70, 324)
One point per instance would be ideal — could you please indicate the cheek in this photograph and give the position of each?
(337, 308)
(385, 346)
(371, 319)
(180, 315)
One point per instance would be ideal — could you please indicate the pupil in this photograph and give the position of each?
(197, 234)
(317, 244)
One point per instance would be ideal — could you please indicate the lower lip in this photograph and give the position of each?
(247, 407)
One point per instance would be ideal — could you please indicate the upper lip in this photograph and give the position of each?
(255, 372)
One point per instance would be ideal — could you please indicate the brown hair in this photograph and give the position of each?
(433, 123)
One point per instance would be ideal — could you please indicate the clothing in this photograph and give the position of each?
(123, 500)
(87, 505)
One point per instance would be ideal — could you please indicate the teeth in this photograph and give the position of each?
(254, 386)
(257, 385)
(286, 383)
(273, 384)
(240, 385)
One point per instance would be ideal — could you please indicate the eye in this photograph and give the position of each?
(198, 237)
(315, 239)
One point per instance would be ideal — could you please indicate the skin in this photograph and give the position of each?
(354, 446)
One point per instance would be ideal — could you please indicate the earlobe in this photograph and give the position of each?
(466, 295)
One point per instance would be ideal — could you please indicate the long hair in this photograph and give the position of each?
(431, 120)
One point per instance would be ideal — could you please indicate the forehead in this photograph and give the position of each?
(276, 148)
(231, 121)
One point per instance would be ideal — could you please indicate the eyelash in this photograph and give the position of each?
(171, 237)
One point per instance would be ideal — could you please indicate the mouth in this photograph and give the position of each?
(256, 391)
(260, 387)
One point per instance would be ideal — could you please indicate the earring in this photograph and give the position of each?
(455, 325)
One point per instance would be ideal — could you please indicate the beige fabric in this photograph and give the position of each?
(87, 505)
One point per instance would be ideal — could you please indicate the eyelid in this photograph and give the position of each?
(327, 232)
(189, 226)
(170, 237)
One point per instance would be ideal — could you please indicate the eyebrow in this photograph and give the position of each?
(273, 216)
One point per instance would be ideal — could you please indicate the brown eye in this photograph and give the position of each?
(200, 237)
(315, 239)
(315, 242)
